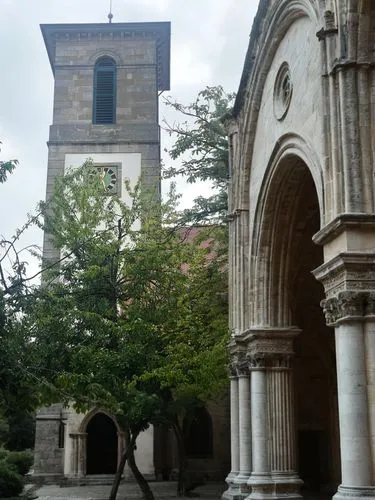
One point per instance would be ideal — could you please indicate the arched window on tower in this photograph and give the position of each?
(198, 434)
(104, 105)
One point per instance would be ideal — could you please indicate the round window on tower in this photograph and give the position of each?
(282, 92)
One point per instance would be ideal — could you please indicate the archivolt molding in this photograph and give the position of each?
(105, 53)
(91, 414)
(278, 196)
(270, 26)
(287, 145)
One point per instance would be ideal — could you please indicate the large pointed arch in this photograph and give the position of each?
(292, 178)
(269, 28)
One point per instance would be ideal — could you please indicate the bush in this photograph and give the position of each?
(21, 460)
(11, 483)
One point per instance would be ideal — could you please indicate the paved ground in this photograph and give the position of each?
(162, 490)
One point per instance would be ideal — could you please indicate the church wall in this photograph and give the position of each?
(48, 457)
(300, 49)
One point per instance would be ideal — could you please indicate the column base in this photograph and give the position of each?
(287, 485)
(355, 492)
(233, 492)
(262, 487)
(242, 482)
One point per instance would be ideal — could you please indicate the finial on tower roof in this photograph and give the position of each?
(110, 15)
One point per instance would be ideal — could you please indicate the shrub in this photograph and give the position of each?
(3, 454)
(21, 460)
(11, 483)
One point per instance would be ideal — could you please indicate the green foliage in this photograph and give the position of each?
(201, 147)
(21, 429)
(129, 318)
(11, 483)
(20, 460)
(6, 168)
(13, 465)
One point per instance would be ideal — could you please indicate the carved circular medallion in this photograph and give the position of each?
(282, 92)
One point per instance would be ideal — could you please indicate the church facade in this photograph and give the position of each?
(302, 253)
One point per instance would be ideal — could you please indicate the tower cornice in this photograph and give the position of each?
(158, 31)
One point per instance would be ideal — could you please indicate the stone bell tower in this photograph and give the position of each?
(107, 82)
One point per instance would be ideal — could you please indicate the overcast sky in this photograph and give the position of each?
(208, 45)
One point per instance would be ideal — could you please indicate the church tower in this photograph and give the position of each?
(107, 82)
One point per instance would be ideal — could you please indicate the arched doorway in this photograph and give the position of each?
(318, 456)
(102, 442)
(288, 296)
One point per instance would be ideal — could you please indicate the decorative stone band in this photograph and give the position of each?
(263, 348)
(348, 306)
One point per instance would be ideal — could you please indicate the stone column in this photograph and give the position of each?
(244, 427)
(346, 313)
(82, 440)
(78, 454)
(74, 458)
(260, 479)
(369, 332)
(233, 489)
(283, 444)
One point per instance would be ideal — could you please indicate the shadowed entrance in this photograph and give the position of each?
(305, 439)
(318, 458)
(101, 445)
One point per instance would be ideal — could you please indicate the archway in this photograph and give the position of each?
(288, 295)
(102, 442)
(318, 455)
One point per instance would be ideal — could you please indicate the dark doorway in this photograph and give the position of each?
(101, 445)
(198, 434)
(315, 361)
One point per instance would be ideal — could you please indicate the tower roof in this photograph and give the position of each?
(159, 31)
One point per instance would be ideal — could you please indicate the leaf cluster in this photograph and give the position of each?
(6, 168)
(201, 147)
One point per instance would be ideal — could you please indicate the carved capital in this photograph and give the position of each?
(257, 361)
(232, 369)
(346, 305)
(239, 366)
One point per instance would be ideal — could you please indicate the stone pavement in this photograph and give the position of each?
(162, 490)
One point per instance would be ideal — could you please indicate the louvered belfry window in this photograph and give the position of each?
(104, 106)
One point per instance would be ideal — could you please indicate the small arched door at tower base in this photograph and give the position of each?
(102, 443)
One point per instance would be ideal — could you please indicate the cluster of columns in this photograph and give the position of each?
(263, 429)
(263, 448)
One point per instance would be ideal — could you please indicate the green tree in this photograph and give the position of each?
(201, 148)
(6, 168)
(108, 317)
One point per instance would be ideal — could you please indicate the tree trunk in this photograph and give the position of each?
(120, 470)
(182, 460)
(143, 484)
